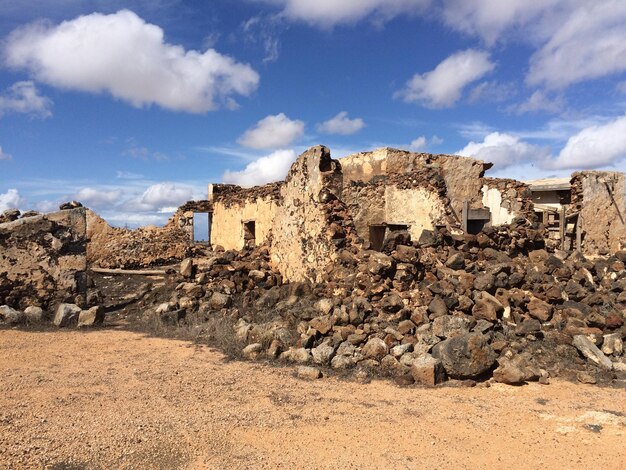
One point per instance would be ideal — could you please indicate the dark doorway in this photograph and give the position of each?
(476, 226)
(202, 227)
(249, 233)
(377, 236)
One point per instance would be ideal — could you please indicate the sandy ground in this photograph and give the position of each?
(116, 399)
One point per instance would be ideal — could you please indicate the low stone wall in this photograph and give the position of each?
(43, 260)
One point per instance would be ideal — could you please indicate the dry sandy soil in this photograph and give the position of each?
(110, 398)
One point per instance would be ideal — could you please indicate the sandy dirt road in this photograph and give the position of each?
(116, 399)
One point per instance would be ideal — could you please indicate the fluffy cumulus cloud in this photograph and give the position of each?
(98, 198)
(591, 43)
(10, 200)
(160, 195)
(504, 150)
(272, 167)
(123, 55)
(272, 132)
(4, 155)
(443, 86)
(23, 97)
(341, 124)
(594, 147)
(329, 13)
(421, 144)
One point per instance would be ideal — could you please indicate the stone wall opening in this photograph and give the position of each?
(249, 232)
(202, 227)
(377, 236)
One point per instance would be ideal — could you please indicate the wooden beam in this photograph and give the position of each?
(579, 232)
(465, 211)
(562, 223)
(130, 272)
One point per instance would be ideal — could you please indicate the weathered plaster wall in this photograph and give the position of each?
(600, 197)
(43, 259)
(463, 176)
(492, 199)
(310, 226)
(507, 199)
(419, 208)
(417, 199)
(227, 221)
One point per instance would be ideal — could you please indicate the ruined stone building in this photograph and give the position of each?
(325, 204)
(389, 190)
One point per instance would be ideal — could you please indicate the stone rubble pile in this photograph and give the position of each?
(498, 304)
(112, 247)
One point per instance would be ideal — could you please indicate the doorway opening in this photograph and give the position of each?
(202, 227)
(249, 233)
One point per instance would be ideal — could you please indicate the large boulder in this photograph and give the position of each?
(66, 315)
(11, 316)
(427, 370)
(465, 356)
(92, 317)
(375, 348)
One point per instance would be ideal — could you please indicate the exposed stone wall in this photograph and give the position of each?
(43, 259)
(462, 175)
(111, 247)
(416, 199)
(310, 224)
(600, 198)
(507, 199)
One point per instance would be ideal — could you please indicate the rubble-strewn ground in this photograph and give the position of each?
(108, 398)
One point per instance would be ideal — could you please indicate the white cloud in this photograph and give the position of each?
(123, 55)
(594, 147)
(4, 155)
(341, 124)
(272, 132)
(273, 167)
(10, 200)
(96, 198)
(539, 101)
(329, 13)
(162, 195)
(443, 86)
(418, 144)
(504, 150)
(489, 19)
(23, 97)
(421, 144)
(590, 43)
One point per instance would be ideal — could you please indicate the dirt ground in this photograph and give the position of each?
(110, 398)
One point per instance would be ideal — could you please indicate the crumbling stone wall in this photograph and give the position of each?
(311, 223)
(111, 247)
(43, 259)
(462, 175)
(600, 197)
(416, 199)
(507, 199)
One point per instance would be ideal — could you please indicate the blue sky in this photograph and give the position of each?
(132, 107)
